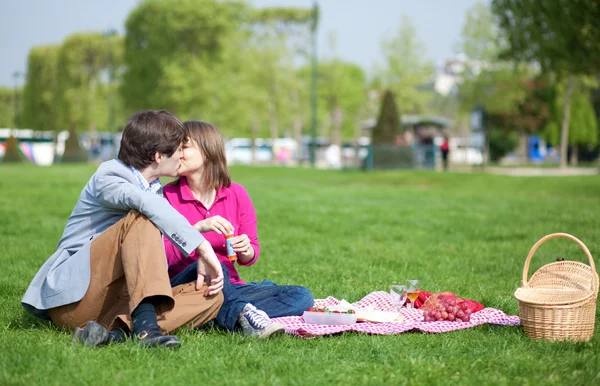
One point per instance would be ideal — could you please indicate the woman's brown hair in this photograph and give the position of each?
(210, 142)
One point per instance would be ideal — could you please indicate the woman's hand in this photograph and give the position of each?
(242, 247)
(214, 224)
(209, 266)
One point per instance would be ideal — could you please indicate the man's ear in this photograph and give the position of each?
(157, 157)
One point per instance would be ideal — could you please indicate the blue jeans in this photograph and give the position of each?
(275, 300)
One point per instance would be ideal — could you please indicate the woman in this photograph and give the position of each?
(205, 195)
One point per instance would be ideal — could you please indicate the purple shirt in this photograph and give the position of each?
(233, 204)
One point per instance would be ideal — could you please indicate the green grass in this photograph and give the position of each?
(343, 234)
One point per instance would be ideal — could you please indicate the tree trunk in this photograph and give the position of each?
(357, 135)
(297, 124)
(92, 103)
(336, 126)
(564, 132)
(273, 125)
(574, 154)
(523, 147)
(337, 117)
(253, 134)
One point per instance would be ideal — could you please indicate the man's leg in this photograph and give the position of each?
(192, 309)
(277, 300)
(127, 261)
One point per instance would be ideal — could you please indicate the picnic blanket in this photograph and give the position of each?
(381, 301)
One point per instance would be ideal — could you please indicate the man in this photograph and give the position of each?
(108, 276)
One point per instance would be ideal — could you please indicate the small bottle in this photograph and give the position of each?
(230, 253)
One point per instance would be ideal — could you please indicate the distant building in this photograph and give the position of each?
(451, 73)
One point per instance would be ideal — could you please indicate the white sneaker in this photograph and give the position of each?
(255, 322)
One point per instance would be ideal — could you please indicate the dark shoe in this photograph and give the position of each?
(152, 336)
(92, 335)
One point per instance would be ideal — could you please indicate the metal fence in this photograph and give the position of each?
(379, 157)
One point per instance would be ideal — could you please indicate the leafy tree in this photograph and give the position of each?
(501, 142)
(238, 103)
(384, 153)
(39, 94)
(388, 125)
(406, 69)
(12, 153)
(341, 94)
(480, 36)
(561, 36)
(82, 59)
(171, 49)
(583, 124)
(488, 81)
(9, 118)
(505, 89)
(73, 150)
(280, 35)
(7, 107)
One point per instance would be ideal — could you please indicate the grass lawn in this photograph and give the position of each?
(343, 234)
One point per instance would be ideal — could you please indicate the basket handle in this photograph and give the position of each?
(554, 236)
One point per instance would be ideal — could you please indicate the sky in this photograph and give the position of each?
(358, 26)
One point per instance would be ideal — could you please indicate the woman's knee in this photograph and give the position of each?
(304, 296)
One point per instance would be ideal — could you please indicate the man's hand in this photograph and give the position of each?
(209, 266)
(214, 224)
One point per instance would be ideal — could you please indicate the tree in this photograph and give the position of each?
(342, 94)
(82, 59)
(385, 135)
(406, 71)
(39, 94)
(480, 37)
(388, 125)
(505, 89)
(280, 35)
(7, 107)
(9, 118)
(583, 124)
(171, 49)
(12, 153)
(561, 36)
(239, 103)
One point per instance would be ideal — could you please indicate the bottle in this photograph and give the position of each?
(231, 255)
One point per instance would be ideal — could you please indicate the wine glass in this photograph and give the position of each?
(398, 294)
(412, 292)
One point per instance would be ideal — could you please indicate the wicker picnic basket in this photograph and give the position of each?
(559, 301)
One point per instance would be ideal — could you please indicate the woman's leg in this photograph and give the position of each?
(233, 302)
(277, 300)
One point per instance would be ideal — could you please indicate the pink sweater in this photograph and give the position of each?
(233, 204)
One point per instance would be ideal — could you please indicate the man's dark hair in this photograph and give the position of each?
(149, 132)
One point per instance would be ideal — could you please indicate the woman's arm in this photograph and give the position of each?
(247, 226)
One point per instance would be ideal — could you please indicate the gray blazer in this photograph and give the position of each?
(108, 196)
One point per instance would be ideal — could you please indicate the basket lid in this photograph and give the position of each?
(552, 296)
(566, 274)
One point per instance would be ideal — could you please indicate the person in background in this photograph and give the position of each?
(445, 149)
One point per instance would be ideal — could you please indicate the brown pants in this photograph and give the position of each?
(128, 264)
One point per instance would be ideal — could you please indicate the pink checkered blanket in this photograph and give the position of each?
(381, 301)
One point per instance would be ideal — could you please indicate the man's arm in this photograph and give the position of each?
(115, 192)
